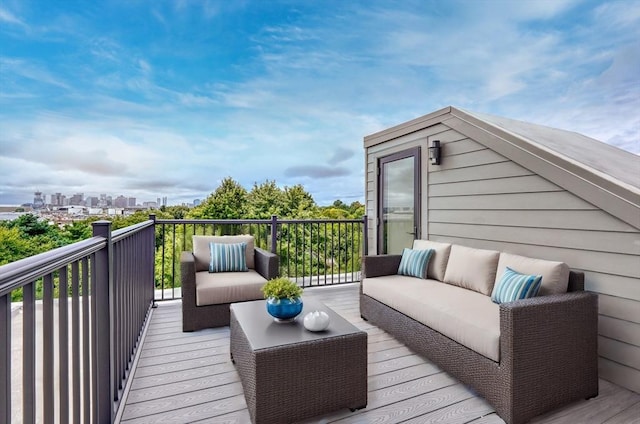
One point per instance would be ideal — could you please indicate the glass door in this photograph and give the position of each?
(398, 200)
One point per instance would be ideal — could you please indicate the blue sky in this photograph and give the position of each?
(166, 98)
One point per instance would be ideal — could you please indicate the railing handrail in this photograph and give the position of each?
(258, 221)
(16, 274)
(212, 221)
(122, 233)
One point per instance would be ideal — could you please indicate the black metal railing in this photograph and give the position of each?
(313, 252)
(72, 366)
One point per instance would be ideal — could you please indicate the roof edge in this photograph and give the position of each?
(405, 128)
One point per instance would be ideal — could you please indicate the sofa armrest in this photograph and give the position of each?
(555, 335)
(379, 265)
(188, 278)
(267, 263)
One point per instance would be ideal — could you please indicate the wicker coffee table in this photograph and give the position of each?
(289, 373)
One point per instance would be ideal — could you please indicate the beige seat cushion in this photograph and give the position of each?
(438, 261)
(473, 269)
(202, 253)
(468, 317)
(228, 287)
(555, 275)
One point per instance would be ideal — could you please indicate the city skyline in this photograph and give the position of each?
(172, 97)
(39, 199)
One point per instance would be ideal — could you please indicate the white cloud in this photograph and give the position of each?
(20, 68)
(9, 18)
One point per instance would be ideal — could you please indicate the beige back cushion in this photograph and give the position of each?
(473, 269)
(202, 253)
(555, 275)
(438, 261)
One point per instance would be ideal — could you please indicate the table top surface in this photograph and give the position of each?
(263, 332)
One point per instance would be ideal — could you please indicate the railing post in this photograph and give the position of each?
(104, 381)
(365, 239)
(5, 358)
(152, 217)
(274, 232)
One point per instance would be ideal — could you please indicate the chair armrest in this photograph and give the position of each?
(267, 263)
(188, 278)
(379, 265)
(555, 335)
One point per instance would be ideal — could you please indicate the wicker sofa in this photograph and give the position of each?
(524, 357)
(206, 296)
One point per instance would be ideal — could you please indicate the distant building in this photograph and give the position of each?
(92, 202)
(77, 199)
(132, 202)
(75, 210)
(38, 200)
(121, 202)
(57, 199)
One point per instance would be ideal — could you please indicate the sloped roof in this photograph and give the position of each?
(601, 174)
(605, 158)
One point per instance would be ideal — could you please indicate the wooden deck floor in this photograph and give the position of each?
(188, 377)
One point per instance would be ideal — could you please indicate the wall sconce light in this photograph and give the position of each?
(434, 152)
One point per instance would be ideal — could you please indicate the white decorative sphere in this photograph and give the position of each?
(316, 321)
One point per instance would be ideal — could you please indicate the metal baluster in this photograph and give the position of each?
(29, 353)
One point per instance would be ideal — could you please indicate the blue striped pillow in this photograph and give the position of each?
(513, 286)
(228, 257)
(414, 262)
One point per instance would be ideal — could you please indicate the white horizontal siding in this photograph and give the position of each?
(620, 374)
(620, 352)
(619, 307)
(597, 241)
(620, 330)
(627, 287)
(560, 200)
(595, 219)
(530, 183)
(478, 172)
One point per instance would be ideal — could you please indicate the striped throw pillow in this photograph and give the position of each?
(513, 286)
(228, 257)
(414, 262)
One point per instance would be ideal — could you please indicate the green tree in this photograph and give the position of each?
(13, 246)
(356, 209)
(76, 231)
(298, 203)
(265, 200)
(30, 225)
(176, 212)
(228, 201)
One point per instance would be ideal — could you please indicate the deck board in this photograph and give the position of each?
(188, 377)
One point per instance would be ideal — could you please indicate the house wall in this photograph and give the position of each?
(480, 198)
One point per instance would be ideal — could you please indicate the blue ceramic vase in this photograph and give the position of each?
(284, 309)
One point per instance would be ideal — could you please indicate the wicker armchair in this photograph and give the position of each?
(206, 296)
